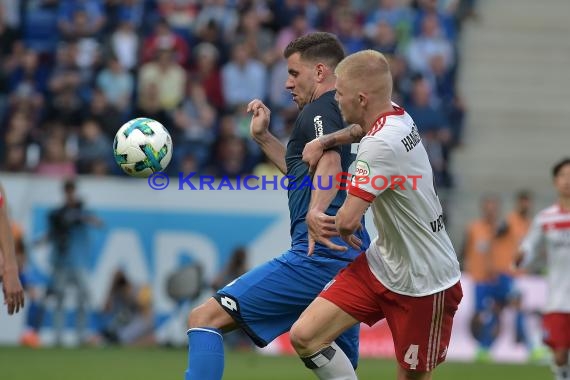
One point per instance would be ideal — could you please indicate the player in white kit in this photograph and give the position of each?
(550, 230)
(410, 273)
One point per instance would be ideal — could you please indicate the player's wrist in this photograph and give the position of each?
(261, 136)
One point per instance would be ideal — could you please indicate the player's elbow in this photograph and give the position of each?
(329, 162)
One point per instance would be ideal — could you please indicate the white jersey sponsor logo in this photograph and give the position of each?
(318, 125)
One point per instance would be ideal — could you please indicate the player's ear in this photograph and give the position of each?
(362, 99)
(320, 71)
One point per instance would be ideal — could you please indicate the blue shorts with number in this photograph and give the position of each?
(267, 300)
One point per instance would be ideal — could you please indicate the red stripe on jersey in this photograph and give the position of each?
(1, 200)
(556, 225)
(379, 123)
(362, 194)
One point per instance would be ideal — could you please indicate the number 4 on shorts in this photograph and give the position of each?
(411, 356)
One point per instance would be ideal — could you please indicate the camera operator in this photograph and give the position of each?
(68, 236)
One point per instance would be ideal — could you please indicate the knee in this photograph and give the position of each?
(303, 340)
(408, 374)
(210, 314)
(560, 357)
(199, 317)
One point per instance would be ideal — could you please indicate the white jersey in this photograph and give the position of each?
(550, 229)
(412, 254)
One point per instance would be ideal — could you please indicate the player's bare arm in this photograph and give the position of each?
(11, 286)
(348, 219)
(320, 225)
(259, 130)
(313, 151)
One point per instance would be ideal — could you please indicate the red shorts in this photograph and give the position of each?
(421, 326)
(557, 330)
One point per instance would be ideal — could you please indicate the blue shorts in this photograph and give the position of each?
(267, 300)
(503, 289)
(500, 292)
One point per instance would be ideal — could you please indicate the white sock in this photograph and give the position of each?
(330, 363)
(561, 373)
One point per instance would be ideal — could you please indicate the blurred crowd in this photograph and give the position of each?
(73, 71)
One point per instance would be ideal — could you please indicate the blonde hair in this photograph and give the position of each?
(367, 71)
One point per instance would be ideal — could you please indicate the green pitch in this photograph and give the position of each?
(169, 364)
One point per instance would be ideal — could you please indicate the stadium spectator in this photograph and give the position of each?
(394, 15)
(54, 53)
(429, 43)
(220, 13)
(124, 43)
(194, 125)
(117, 85)
(93, 148)
(432, 126)
(165, 77)
(207, 73)
(258, 39)
(80, 18)
(550, 229)
(163, 39)
(243, 77)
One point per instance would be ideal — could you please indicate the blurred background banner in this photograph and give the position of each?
(150, 234)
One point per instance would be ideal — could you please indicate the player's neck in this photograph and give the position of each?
(372, 114)
(564, 203)
(321, 89)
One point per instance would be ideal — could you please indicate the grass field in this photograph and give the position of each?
(169, 364)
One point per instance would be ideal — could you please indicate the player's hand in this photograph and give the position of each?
(352, 240)
(321, 228)
(312, 153)
(13, 291)
(259, 119)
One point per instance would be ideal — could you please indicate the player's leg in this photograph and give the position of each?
(78, 278)
(557, 337)
(485, 321)
(313, 337)
(264, 303)
(421, 327)
(205, 343)
(59, 280)
(343, 303)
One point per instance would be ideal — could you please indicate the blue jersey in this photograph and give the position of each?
(320, 117)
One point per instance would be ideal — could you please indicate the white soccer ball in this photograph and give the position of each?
(142, 146)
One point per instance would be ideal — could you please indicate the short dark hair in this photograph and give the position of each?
(524, 194)
(557, 167)
(317, 46)
(69, 185)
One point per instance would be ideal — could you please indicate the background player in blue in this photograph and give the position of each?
(266, 301)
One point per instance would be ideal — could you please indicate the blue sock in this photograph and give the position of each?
(205, 354)
(520, 328)
(488, 334)
(34, 317)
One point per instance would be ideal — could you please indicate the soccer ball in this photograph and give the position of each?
(142, 146)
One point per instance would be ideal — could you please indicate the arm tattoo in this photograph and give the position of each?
(353, 133)
(328, 141)
(356, 132)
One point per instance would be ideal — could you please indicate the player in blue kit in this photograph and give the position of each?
(266, 301)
